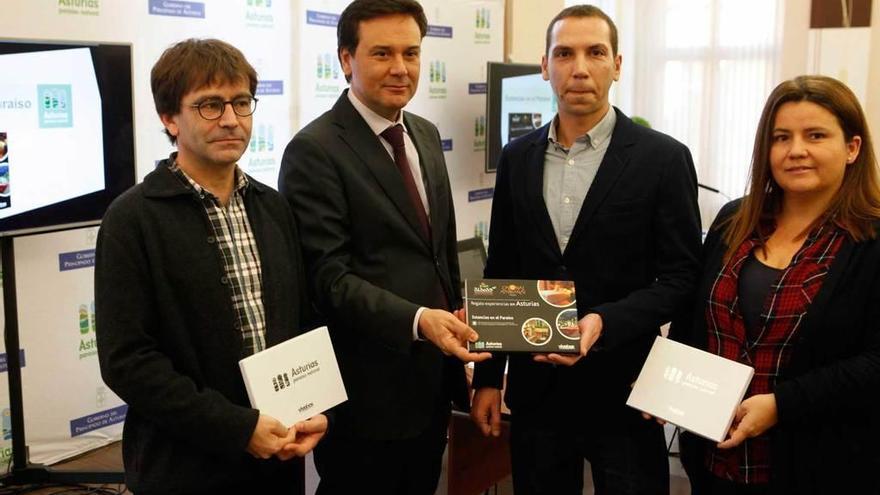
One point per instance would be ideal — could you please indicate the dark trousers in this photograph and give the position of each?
(627, 456)
(406, 467)
(703, 482)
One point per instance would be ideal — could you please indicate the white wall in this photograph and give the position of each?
(795, 42)
(527, 21)
(795, 30)
(526, 27)
(873, 103)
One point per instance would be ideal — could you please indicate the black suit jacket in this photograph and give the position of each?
(633, 255)
(826, 398)
(371, 269)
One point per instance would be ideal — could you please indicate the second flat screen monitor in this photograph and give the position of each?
(519, 101)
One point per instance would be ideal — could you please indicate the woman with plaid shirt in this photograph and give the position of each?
(791, 286)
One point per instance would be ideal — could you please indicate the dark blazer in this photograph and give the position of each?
(633, 255)
(371, 269)
(168, 343)
(827, 398)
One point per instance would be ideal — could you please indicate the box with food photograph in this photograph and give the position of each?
(523, 315)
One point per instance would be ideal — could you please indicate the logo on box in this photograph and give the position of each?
(672, 374)
(484, 289)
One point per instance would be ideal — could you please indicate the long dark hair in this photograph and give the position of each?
(854, 207)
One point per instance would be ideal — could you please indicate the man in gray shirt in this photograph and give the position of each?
(593, 198)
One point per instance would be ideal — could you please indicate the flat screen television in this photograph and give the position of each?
(518, 101)
(66, 133)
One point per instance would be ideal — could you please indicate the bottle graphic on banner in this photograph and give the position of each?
(83, 319)
(92, 317)
(481, 228)
(327, 66)
(270, 146)
(319, 65)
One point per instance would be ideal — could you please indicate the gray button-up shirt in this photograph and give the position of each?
(569, 173)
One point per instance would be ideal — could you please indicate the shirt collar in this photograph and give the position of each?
(377, 123)
(241, 180)
(596, 136)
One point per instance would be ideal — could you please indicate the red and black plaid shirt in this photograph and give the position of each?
(769, 349)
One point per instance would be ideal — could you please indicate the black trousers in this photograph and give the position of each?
(404, 467)
(627, 455)
(703, 482)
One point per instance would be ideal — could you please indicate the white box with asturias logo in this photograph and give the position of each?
(690, 388)
(296, 379)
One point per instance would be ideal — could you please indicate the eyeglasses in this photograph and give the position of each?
(213, 109)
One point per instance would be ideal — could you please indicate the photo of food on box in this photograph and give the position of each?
(523, 315)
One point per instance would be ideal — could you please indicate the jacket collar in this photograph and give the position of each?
(613, 164)
(357, 134)
(162, 183)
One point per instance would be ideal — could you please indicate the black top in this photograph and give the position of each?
(756, 280)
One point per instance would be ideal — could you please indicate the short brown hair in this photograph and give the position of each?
(582, 11)
(364, 10)
(192, 64)
(855, 206)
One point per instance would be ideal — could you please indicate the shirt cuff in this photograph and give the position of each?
(415, 329)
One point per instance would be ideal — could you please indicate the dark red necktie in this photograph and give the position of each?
(394, 135)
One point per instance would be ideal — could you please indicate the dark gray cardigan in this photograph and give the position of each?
(167, 338)
(827, 437)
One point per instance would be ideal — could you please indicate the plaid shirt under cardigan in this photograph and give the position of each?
(770, 348)
(241, 260)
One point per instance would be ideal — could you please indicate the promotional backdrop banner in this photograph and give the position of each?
(463, 35)
(68, 410)
(292, 45)
(67, 407)
(261, 29)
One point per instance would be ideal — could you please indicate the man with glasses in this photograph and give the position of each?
(197, 267)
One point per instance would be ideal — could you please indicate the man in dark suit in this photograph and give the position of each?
(368, 185)
(594, 198)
